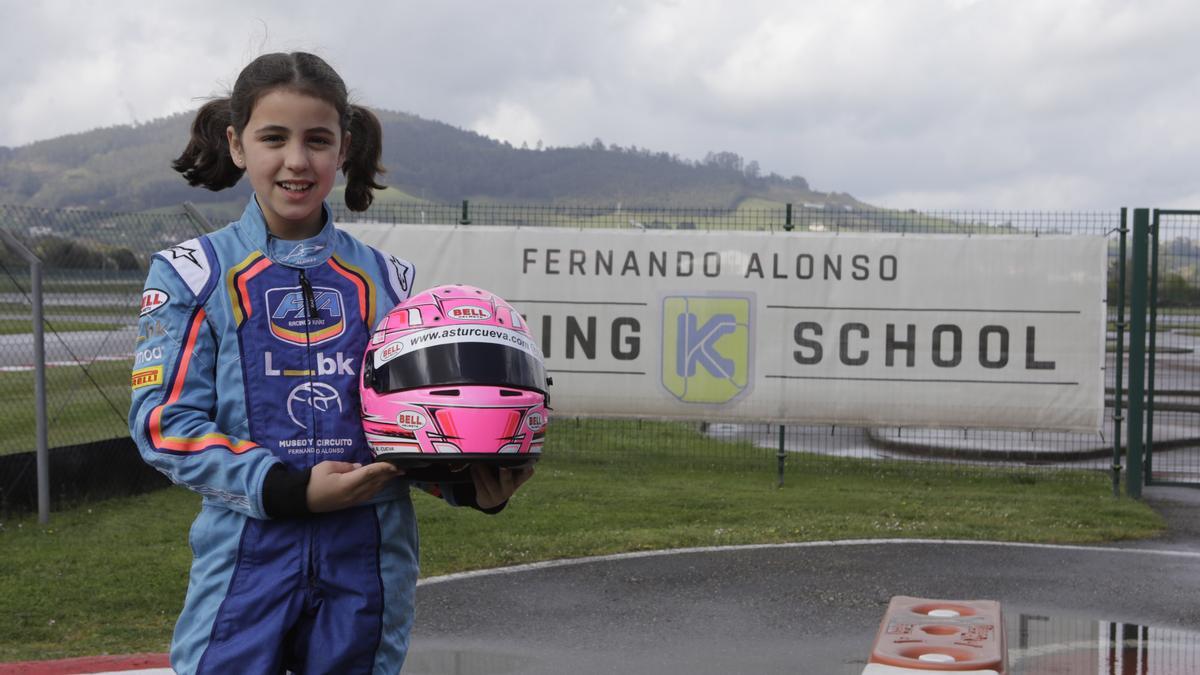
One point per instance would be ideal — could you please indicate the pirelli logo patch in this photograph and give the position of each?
(147, 377)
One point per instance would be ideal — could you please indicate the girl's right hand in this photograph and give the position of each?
(338, 485)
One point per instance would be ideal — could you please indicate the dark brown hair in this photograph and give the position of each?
(206, 161)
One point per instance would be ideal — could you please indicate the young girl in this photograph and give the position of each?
(246, 391)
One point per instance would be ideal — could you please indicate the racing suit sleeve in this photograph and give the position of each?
(171, 417)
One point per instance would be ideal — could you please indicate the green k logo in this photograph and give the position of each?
(707, 347)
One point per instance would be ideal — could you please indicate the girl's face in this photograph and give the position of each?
(291, 150)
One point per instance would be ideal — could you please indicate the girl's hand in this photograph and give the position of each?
(493, 488)
(338, 485)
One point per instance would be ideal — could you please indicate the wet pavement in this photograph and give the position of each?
(1132, 607)
(806, 608)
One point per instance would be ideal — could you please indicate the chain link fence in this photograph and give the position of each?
(792, 217)
(1174, 326)
(95, 264)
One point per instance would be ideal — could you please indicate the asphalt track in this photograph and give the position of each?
(806, 608)
(794, 609)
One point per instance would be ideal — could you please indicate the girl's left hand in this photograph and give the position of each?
(494, 487)
(337, 485)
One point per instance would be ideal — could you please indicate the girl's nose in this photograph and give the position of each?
(295, 157)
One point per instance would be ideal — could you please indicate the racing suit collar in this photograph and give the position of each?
(291, 252)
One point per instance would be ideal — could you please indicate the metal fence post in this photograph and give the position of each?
(466, 214)
(39, 375)
(202, 224)
(1137, 349)
(1118, 390)
(780, 456)
(1151, 353)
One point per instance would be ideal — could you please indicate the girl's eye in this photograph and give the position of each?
(274, 138)
(320, 141)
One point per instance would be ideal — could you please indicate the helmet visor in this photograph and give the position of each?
(449, 360)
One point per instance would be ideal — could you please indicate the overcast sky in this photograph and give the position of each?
(929, 104)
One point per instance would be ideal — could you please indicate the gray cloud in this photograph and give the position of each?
(924, 104)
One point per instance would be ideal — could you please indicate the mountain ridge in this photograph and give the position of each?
(127, 168)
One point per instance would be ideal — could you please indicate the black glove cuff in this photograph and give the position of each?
(464, 495)
(285, 493)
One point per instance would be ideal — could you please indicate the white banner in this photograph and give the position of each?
(1002, 331)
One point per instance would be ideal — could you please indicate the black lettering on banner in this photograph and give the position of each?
(835, 266)
(585, 340)
(1031, 362)
(955, 343)
(984, 358)
(908, 345)
(888, 268)
(754, 266)
(844, 338)
(546, 323)
(604, 259)
(551, 261)
(804, 266)
(679, 267)
(798, 336)
(861, 270)
(629, 347)
(657, 263)
(631, 264)
(577, 258)
(775, 267)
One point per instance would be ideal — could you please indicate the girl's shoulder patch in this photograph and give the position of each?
(400, 274)
(193, 262)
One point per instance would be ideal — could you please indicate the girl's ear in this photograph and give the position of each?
(236, 152)
(344, 150)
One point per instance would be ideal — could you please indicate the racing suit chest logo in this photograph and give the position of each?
(286, 314)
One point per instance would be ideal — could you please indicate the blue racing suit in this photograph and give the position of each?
(245, 377)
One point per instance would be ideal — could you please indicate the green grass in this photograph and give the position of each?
(19, 326)
(52, 312)
(110, 577)
(78, 411)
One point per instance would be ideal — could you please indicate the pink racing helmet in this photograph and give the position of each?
(452, 376)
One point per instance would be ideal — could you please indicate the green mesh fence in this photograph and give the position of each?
(95, 264)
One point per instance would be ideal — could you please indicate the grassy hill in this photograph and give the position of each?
(127, 168)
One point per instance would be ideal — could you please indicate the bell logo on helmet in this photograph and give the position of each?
(410, 420)
(536, 420)
(707, 344)
(470, 313)
(389, 352)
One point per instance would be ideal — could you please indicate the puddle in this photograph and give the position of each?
(1056, 645)
(1044, 645)
(1037, 645)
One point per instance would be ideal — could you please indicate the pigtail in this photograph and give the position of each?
(206, 161)
(362, 158)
